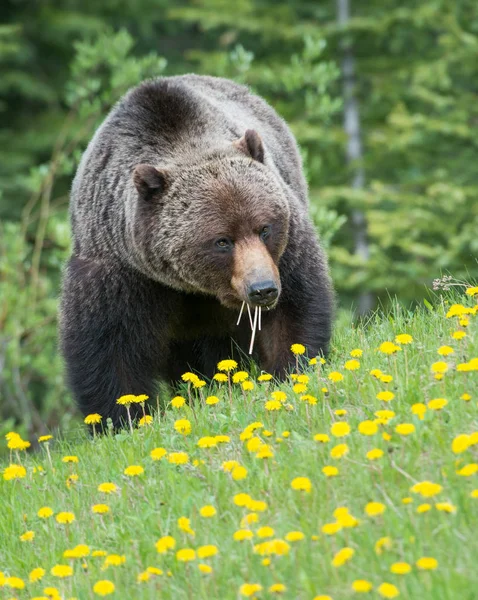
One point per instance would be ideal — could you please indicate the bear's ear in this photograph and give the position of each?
(149, 181)
(251, 144)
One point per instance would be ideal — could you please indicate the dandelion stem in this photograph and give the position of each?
(240, 314)
(253, 330)
(129, 419)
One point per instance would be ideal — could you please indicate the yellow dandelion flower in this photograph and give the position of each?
(465, 397)
(447, 507)
(45, 438)
(474, 493)
(158, 453)
(335, 376)
(207, 442)
(242, 534)
(427, 489)
(240, 376)
(15, 583)
(249, 589)
(342, 556)
(27, 536)
(472, 291)
(165, 543)
(238, 473)
(388, 590)
(65, 518)
(323, 438)
(178, 458)
(264, 377)
(330, 471)
(368, 428)
(340, 429)
(407, 500)
(186, 554)
(297, 349)
(294, 536)
(374, 509)
(247, 386)
(423, 508)
(206, 569)
(126, 399)
(356, 353)
(265, 532)
(256, 505)
(178, 402)
(405, 428)
(104, 587)
(242, 499)
(183, 426)
(437, 404)
(93, 419)
(189, 377)
(374, 454)
(185, 525)
(146, 420)
(207, 511)
(427, 563)
(352, 365)
(220, 377)
(386, 378)
(439, 367)
(107, 488)
(61, 571)
(388, 348)
(384, 543)
(133, 470)
(361, 585)
(339, 451)
(458, 335)
(45, 512)
(331, 528)
(385, 396)
(227, 365)
(302, 484)
(445, 350)
(36, 575)
(69, 459)
(277, 588)
(273, 405)
(114, 560)
(403, 338)
(377, 373)
(419, 409)
(468, 470)
(207, 551)
(100, 509)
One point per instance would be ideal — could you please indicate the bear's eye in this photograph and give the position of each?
(265, 232)
(224, 244)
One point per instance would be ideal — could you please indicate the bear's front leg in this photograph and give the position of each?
(303, 316)
(112, 327)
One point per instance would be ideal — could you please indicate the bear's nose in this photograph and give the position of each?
(262, 293)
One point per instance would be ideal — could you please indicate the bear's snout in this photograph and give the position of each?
(256, 278)
(263, 293)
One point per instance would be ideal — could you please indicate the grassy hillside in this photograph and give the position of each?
(360, 473)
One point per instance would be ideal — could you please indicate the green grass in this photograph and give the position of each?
(148, 506)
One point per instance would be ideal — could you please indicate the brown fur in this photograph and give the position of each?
(169, 207)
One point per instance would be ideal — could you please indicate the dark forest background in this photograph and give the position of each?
(381, 95)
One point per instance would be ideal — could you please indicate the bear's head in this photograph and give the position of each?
(218, 227)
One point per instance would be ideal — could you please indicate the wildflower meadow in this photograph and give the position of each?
(356, 477)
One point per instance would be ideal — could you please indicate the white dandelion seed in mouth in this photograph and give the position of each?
(255, 322)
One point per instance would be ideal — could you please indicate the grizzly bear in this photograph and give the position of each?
(189, 201)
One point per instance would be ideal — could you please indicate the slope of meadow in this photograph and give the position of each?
(355, 478)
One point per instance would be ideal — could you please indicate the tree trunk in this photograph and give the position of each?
(354, 147)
